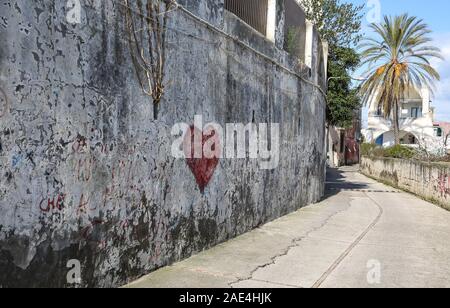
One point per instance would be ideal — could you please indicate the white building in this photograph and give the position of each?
(417, 127)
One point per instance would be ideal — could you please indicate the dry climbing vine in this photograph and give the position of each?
(146, 24)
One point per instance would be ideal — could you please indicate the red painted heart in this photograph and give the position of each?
(203, 168)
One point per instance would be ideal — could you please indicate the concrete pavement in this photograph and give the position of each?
(363, 234)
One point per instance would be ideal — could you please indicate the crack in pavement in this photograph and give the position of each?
(277, 283)
(295, 243)
(355, 243)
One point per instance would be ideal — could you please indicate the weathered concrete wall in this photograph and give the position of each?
(430, 181)
(86, 171)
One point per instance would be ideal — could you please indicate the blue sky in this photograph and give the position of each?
(436, 13)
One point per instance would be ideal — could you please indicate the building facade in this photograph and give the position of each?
(344, 143)
(416, 119)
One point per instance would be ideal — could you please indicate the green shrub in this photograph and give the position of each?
(367, 149)
(372, 150)
(400, 151)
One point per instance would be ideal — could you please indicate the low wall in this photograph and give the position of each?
(86, 167)
(431, 181)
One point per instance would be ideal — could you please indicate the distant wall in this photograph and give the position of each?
(86, 170)
(430, 181)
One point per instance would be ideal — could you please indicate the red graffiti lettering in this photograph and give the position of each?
(84, 170)
(84, 204)
(443, 185)
(46, 205)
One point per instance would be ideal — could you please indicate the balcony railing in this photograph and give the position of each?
(253, 12)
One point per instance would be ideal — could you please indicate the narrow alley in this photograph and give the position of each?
(363, 234)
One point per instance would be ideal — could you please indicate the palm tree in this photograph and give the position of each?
(398, 60)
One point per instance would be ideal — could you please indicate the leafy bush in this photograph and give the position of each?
(367, 149)
(398, 151)
(372, 150)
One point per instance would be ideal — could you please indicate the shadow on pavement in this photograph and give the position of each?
(336, 182)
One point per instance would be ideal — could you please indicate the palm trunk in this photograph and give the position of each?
(396, 124)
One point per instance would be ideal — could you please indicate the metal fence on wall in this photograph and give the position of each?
(295, 29)
(253, 12)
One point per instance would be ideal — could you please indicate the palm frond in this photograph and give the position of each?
(399, 60)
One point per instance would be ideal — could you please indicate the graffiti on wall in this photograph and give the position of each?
(100, 175)
(202, 168)
(443, 185)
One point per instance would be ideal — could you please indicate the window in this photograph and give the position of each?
(438, 131)
(416, 112)
(253, 12)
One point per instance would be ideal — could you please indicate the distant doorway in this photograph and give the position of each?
(380, 140)
(408, 139)
(388, 139)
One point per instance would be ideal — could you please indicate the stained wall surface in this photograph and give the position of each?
(86, 170)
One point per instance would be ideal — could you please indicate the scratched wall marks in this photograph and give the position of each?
(86, 172)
